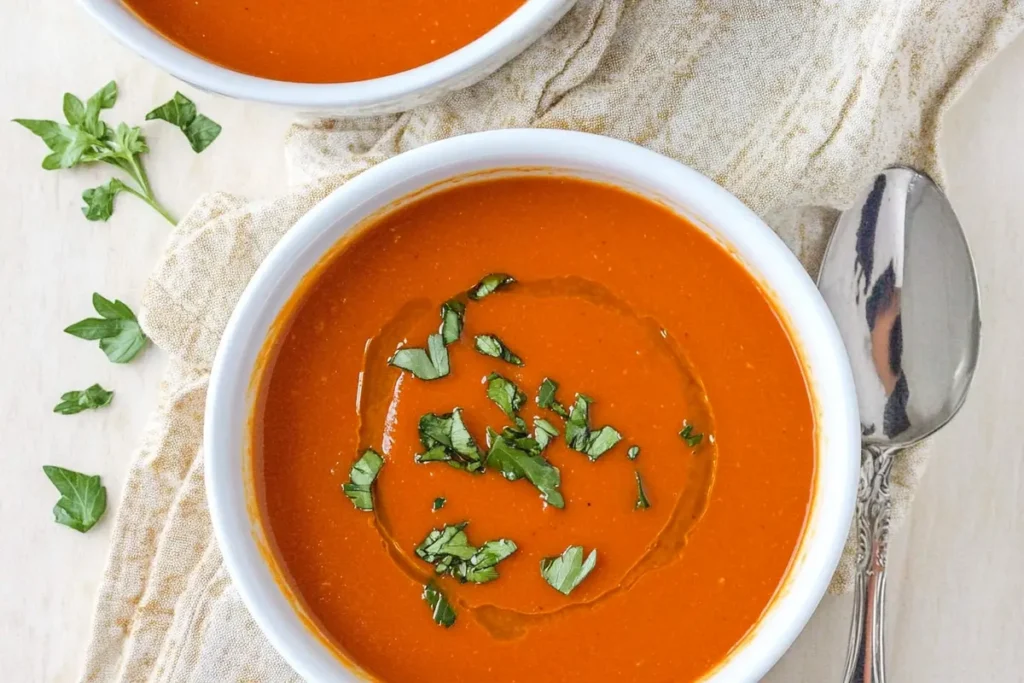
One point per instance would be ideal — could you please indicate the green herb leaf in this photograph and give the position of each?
(506, 395)
(633, 452)
(83, 500)
(426, 365)
(76, 401)
(447, 439)
(641, 497)
(450, 551)
(453, 313)
(517, 456)
(546, 398)
(99, 201)
(440, 609)
(361, 477)
(579, 436)
(118, 331)
(566, 571)
(86, 139)
(181, 112)
(543, 432)
(490, 284)
(439, 503)
(692, 439)
(490, 345)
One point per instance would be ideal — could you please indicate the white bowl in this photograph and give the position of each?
(384, 95)
(231, 395)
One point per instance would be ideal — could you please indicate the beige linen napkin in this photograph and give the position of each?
(790, 105)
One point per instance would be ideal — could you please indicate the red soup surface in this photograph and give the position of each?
(322, 41)
(657, 339)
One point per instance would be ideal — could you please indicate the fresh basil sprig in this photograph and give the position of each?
(83, 500)
(447, 439)
(85, 139)
(490, 345)
(581, 438)
(359, 488)
(117, 329)
(566, 571)
(441, 611)
(517, 456)
(181, 112)
(428, 364)
(74, 402)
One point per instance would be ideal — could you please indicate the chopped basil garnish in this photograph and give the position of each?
(580, 438)
(641, 496)
(507, 396)
(633, 452)
(440, 609)
(361, 478)
(543, 432)
(447, 439)
(489, 285)
(490, 345)
(566, 571)
(453, 313)
(438, 503)
(83, 499)
(692, 440)
(546, 398)
(516, 456)
(450, 551)
(426, 365)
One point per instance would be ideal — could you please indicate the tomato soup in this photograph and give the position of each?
(533, 428)
(322, 41)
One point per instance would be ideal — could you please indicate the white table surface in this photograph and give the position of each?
(956, 584)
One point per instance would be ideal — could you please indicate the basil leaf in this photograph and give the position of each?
(450, 551)
(546, 398)
(74, 110)
(580, 438)
(506, 395)
(440, 609)
(519, 457)
(633, 452)
(426, 365)
(83, 500)
(490, 345)
(453, 313)
(692, 439)
(566, 571)
(104, 98)
(447, 439)
(202, 132)
(439, 503)
(543, 432)
(74, 402)
(118, 331)
(181, 112)
(99, 201)
(641, 496)
(361, 477)
(490, 284)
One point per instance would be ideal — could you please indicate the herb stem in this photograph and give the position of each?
(139, 174)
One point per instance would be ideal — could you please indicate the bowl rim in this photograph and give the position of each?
(709, 206)
(528, 21)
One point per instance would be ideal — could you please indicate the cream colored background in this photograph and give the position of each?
(957, 577)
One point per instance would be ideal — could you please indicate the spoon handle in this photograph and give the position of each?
(865, 661)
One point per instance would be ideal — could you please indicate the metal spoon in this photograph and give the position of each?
(899, 279)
